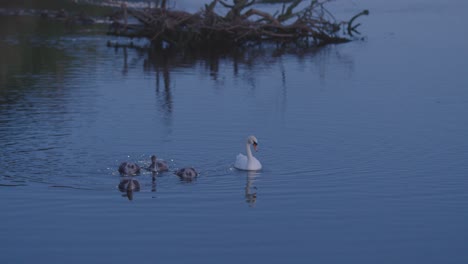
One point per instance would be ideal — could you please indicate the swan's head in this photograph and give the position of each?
(252, 140)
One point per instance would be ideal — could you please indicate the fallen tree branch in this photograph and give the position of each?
(179, 28)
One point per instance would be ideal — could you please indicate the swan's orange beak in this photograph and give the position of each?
(255, 146)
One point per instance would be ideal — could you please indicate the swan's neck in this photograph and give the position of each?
(249, 152)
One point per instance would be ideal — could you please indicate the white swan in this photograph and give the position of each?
(248, 162)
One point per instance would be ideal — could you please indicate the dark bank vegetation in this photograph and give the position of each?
(238, 23)
(51, 7)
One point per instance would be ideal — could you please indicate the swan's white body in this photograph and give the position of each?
(248, 162)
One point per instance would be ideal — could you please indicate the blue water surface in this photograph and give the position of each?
(363, 145)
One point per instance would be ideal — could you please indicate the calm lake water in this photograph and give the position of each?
(364, 146)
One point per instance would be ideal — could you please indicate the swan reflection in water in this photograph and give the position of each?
(251, 189)
(127, 186)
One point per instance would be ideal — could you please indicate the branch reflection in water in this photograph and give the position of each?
(246, 63)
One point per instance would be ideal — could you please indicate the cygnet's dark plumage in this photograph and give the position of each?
(157, 165)
(129, 168)
(186, 173)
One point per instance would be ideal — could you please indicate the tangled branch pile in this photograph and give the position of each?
(313, 24)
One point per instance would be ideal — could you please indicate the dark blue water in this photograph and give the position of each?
(363, 146)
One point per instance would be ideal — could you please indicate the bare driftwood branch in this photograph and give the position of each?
(238, 27)
(265, 15)
(285, 15)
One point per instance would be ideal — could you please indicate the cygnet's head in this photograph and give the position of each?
(187, 173)
(129, 168)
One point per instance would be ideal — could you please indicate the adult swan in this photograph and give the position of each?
(248, 162)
